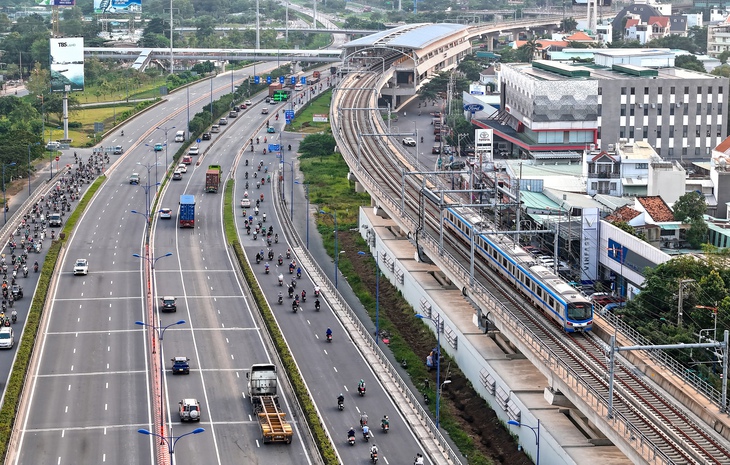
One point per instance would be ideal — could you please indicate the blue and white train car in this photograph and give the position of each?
(547, 291)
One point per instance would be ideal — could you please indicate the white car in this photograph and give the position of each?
(245, 203)
(81, 267)
(165, 213)
(194, 150)
(182, 167)
(177, 175)
(248, 103)
(409, 142)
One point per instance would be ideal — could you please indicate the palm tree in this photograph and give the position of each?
(531, 47)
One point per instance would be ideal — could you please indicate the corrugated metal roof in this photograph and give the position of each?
(414, 36)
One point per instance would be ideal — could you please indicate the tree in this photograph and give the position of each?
(691, 205)
(697, 233)
(471, 68)
(568, 24)
(317, 145)
(698, 35)
(689, 62)
(724, 56)
(530, 49)
(723, 70)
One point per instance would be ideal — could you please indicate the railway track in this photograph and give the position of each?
(652, 423)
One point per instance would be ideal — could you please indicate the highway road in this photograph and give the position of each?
(90, 390)
(329, 368)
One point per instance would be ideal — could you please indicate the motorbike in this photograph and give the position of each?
(366, 436)
(246, 162)
(294, 283)
(276, 238)
(255, 235)
(316, 305)
(385, 427)
(291, 269)
(280, 260)
(281, 280)
(14, 317)
(361, 391)
(340, 405)
(299, 274)
(266, 269)
(351, 440)
(294, 306)
(25, 271)
(288, 254)
(258, 258)
(271, 254)
(264, 217)
(122, 133)
(281, 299)
(245, 175)
(261, 197)
(35, 268)
(291, 292)
(329, 338)
(304, 296)
(316, 291)
(374, 457)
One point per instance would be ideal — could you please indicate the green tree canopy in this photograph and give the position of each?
(689, 62)
(691, 205)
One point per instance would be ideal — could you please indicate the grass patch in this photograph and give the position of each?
(300, 389)
(303, 121)
(87, 117)
(93, 94)
(27, 340)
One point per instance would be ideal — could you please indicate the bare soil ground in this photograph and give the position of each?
(459, 399)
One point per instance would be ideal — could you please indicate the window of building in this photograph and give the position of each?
(671, 90)
(684, 151)
(719, 131)
(686, 109)
(600, 109)
(631, 133)
(697, 151)
(645, 132)
(719, 90)
(686, 90)
(659, 109)
(659, 91)
(671, 131)
(709, 108)
(709, 89)
(623, 91)
(646, 110)
(697, 132)
(642, 166)
(600, 91)
(631, 110)
(699, 90)
(612, 186)
(622, 133)
(684, 131)
(598, 133)
(623, 110)
(659, 132)
(670, 152)
(594, 186)
(671, 109)
(699, 108)
(633, 91)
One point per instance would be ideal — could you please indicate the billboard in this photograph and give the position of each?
(117, 6)
(57, 2)
(67, 64)
(589, 239)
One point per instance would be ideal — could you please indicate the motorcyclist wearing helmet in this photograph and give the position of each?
(340, 399)
(351, 433)
(385, 421)
(364, 419)
(329, 334)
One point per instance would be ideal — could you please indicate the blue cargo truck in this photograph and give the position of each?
(187, 211)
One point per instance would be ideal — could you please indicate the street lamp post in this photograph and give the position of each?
(5, 199)
(171, 441)
(437, 322)
(334, 217)
(29, 188)
(377, 294)
(165, 130)
(156, 163)
(535, 431)
(306, 194)
(147, 188)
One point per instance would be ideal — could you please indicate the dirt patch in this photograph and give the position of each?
(459, 400)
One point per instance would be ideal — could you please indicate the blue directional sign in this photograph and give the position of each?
(289, 114)
(288, 121)
(197, 140)
(274, 147)
(257, 79)
(268, 79)
(303, 80)
(293, 80)
(473, 107)
(281, 80)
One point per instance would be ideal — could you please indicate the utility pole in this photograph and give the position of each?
(680, 300)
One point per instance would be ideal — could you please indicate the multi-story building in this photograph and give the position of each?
(718, 38)
(631, 94)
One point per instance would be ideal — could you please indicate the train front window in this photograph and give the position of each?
(579, 311)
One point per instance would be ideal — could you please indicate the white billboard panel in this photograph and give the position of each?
(589, 244)
(117, 6)
(67, 64)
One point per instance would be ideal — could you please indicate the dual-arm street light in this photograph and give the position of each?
(171, 441)
(306, 194)
(535, 431)
(377, 294)
(165, 130)
(437, 322)
(334, 217)
(160, 335)
(149, 167)
(5, 199)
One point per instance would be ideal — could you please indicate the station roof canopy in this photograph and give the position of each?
(413, 36)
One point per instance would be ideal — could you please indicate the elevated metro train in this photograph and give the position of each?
(547, 291)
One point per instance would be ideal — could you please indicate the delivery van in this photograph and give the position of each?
(180, 136)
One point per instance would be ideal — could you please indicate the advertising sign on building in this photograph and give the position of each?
(57, 2)
(117, 6)
(589, 244)
(484, 146)
(476, 89)
(67, 64)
